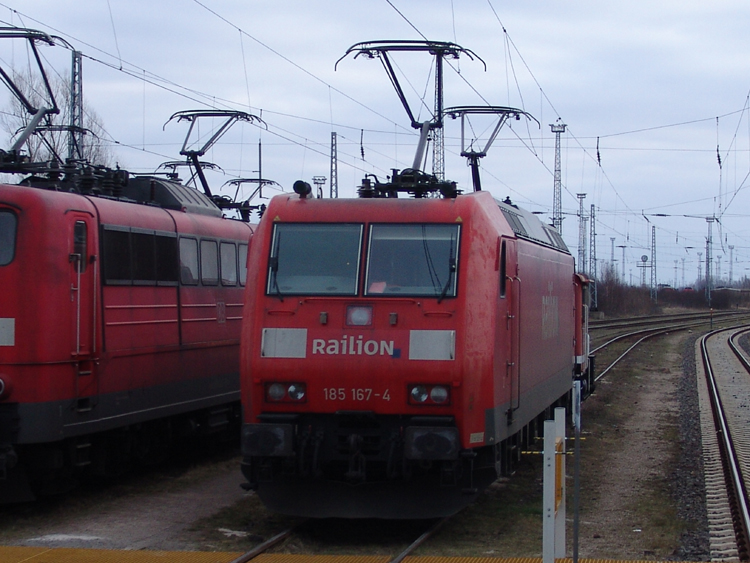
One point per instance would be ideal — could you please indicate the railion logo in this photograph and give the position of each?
(355, 346)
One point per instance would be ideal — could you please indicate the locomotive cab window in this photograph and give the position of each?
(8, 228)
(314, 259)
(413, 259)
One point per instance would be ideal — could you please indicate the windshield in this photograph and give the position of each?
(7, 236)
(416, 259)
(314, 259)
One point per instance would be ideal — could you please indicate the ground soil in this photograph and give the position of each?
(640, 496)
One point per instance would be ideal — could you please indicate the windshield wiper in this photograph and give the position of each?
(274, 264)
(451, 272)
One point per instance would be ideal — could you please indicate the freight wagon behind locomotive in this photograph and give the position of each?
(397, 352)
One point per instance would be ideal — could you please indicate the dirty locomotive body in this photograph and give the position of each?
(396, 353)
(119, 328)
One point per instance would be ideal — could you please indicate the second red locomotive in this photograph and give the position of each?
(397, 352)
(119, 325)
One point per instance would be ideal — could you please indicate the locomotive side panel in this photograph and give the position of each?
(538, 367)
(212, 279)
(484, 347)
(547, 327)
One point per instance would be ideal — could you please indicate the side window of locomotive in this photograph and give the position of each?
(8, 229)
(412, 259)
(166, 259)
(314, 259)
(116, 255)
(144, 257)
(243, 263)
(209, 263)
(228, 255)
(134, 256)
(188, 261)
(79, 245)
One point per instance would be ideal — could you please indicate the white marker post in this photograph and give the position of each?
(576, 465)
(553, 529)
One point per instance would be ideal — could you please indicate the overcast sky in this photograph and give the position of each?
(652, 94)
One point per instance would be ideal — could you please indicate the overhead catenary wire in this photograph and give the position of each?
(579, 142)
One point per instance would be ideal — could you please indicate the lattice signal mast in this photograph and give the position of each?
(558, 127)
(334, 166)
(582, 266)
(654, 285)
(709, 258)
(593, 274)
(75, 135)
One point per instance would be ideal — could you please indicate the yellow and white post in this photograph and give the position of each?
(553, 529)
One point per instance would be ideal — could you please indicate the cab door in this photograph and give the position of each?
(511, 291)
(83, 269)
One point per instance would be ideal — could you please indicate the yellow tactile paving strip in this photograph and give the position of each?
(67, 555)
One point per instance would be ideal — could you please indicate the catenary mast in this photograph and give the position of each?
(557, 128)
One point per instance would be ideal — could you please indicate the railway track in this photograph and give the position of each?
(632, 322)
(620, 339)
(431, 530)
(725, 418)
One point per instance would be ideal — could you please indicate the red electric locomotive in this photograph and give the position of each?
(121, 303)
(396, 352)
(119, 324)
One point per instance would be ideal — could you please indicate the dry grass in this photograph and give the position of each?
(650, 527)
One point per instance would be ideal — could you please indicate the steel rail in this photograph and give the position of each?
(735, 482)
(266, 545)
(420, 540)
(649, 333)
(269, 543)
(736, 348)
(602, 324)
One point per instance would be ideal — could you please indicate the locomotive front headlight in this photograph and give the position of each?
(297, 391)
(439, 394)
(419, 393)
(276, 392)
(358, 315)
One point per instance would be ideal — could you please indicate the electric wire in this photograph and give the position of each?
(201, 98)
